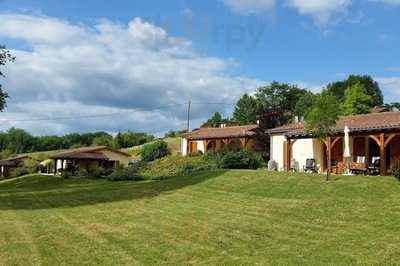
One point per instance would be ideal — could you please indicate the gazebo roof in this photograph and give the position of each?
(358, 123)
(86, 153)
(222, 133)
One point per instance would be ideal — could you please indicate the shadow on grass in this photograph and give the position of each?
(45, 192)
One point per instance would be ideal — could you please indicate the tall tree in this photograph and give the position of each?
(321, 119)
(245, 110)
(304, 104)
(370, 87)
(356, 101)
(215, 121)
(278, 98)
(5, 57)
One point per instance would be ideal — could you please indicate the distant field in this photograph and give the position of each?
(173, 143)
(220, 217)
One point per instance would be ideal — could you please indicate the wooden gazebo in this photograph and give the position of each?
(373, 135)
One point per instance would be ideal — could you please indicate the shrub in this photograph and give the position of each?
(30, 167)
(96, 172)
(66, 174)
(82, 173)
(130, 173)
(240, 160)
(396, 169)
(173, 166)
(154, 151)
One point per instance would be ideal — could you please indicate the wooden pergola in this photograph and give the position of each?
(382, 139)
(219, 143)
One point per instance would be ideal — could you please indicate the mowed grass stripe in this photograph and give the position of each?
(230, 218)
(93, 240)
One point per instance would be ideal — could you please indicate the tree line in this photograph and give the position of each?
(17, 141)
(279, 103)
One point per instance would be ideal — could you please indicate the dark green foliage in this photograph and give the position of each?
(5, 57)
(30, 167)
(239, 160)
(304, 104)
(131, 139)
(280, 97)
(216, 120)
(154, 151)
(104, 140)
(396, 169)
(19, 141)
(174, 134)
(246, 110)
(323, 115)
(370, 86)
(131, 173)
(172, 166)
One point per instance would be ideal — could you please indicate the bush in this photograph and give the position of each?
(30, 167)
(240, 160)
(130, 173)
(154, 151)
(96, 172)
(66, 174)
(396, 169)
(173, 166)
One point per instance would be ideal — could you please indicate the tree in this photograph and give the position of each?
(103, 140)
(356, 101)
(278, 97)
(20, 141)
(321, 119)
(304, 104)
(5, 57)
(370, 87)
(246, 110)
(215, 121)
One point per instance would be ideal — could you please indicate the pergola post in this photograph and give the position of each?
(55, 166)
(367, 150)
(288, 159)
(243, 142)
(329, 154)
(383, 154)
(218, 145)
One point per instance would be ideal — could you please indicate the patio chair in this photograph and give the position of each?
(375, 167)
(311, 166)
(360, 167)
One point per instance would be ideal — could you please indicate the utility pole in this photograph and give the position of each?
(188, 116)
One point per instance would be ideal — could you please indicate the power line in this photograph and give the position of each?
(108, 114)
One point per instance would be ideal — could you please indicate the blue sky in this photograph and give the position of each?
(210, 51)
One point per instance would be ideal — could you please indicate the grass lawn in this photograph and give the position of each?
(224, 217)
(174, 144)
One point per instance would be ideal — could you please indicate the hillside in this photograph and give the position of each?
(173, 143)
(220, 217)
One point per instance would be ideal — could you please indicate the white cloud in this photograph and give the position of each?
(250, 6)
(390, 87)
(110, 67)
(389, 2)
(321, 10)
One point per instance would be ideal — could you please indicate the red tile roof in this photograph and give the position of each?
(358, 123)
(14, 160)
(222, 133)
(92, 153)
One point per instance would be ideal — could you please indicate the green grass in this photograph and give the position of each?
(222, 217)
(174, 144)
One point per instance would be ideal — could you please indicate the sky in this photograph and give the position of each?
(98, 65)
